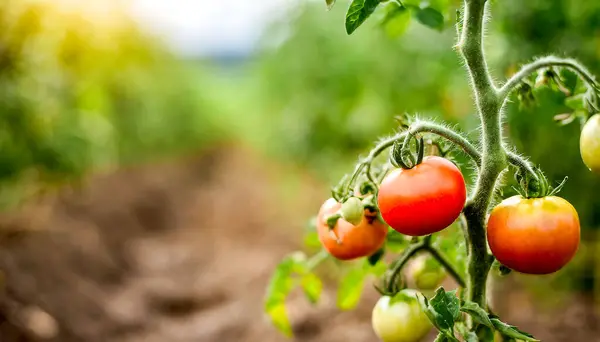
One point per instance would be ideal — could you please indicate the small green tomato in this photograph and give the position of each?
(400, 319)
(589, 143)
(352, 210)
(427, 273)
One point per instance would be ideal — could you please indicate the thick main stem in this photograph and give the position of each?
(494, 161)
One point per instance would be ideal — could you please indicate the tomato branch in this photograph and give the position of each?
(546, 62)
(520, 162)
(365, 164)
(448, 134)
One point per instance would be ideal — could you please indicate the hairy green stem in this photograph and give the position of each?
(545, 62)
(521, 163)
(494, 158)
(450, 135)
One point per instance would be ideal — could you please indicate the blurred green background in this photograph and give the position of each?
(83, 92)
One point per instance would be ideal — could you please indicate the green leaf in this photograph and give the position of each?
(435, 318)
(350, 289)
(280, 286)
(279, 317)
(330, 4)
(575, 102)
(312, 287)
(358, 12)
(447, 306)
(430, 17)
(511, 331)
(479, 315)
(396, 20)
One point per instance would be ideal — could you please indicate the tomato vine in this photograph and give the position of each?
(373, 196)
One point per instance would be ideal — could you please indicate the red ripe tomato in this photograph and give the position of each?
(534, 236)
(347, 241)
(423, 200)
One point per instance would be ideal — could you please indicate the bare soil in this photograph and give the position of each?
(181, 252)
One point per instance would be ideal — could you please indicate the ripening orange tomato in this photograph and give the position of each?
(347, 241)
(535, 235)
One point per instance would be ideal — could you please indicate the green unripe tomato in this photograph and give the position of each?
(352, 210)
(400, 319)
(426, 272)
(589, 143)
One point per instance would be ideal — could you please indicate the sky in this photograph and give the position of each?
(208, 27)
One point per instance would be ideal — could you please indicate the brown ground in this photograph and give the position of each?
(182, 252)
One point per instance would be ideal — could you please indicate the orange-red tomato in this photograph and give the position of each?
(534, 236)
(347, 241)
(423, 200)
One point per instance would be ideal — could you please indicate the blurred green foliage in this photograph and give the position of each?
(86, 90)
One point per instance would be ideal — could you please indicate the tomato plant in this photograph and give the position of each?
(420, 190)
(400, 318)
(535, 235)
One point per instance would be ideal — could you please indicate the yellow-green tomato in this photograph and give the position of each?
(427, 273)
(589, 143)
(400, 319)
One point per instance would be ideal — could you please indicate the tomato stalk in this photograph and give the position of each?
(547, 62)
(494, 159)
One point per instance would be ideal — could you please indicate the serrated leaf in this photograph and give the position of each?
(424, 304)
(430, 17)
(433, 316)
(350, 289)
(329, 4)
(396, 20)
(280, 285)
(358, 12)
(511, 331)
(479, 315)
(312, 287)
(447, 306)
(575, 102)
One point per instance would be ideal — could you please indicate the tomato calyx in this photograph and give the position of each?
(399, 150)
(536, 185)
(331, 222)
